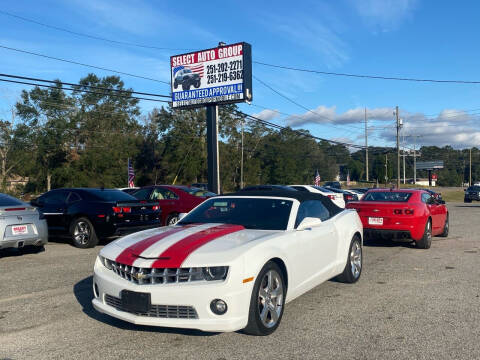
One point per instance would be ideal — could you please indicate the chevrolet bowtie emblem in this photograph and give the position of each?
(139, 276)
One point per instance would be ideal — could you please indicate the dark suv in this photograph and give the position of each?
(472, 193)
(186, 78)
(333, 184)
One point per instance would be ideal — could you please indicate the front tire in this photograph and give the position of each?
(83, 233)
(426, 240)
(267, 301)
(172, 220)
(353, 269)
(467, 200)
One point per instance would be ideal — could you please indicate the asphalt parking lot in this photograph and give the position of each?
(408, 304)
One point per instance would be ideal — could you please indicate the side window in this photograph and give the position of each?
(73, 197)
(425, 197)
(54, 198)
(168, 194)
(142, 194)
(312, 208)
(156, 195)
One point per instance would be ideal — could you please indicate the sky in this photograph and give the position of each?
(392, 38)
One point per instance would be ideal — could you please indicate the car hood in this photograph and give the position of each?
(184, 245)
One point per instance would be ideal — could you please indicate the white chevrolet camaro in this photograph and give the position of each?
(232, 263)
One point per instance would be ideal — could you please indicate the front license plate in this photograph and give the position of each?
(375, 221)
(19, 229)
(135, 301)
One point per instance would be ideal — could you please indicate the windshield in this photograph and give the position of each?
(111, 195)
(387, 196)
(252, 213)
(474, 188)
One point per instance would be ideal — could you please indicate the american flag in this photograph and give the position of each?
(131, 174)
(197, 68)
(317, 178)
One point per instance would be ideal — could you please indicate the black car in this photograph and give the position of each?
(333, 184)
(186, 78)
(472, 193)
(89, 214)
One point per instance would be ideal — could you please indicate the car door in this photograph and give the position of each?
(317, 246)
(169, 202)
(53, 207)
(435, 213)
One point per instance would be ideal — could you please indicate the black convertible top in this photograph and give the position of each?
(298, 195)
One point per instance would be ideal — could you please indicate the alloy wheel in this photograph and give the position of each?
(81, 232)
(270, 298)
(356, 259)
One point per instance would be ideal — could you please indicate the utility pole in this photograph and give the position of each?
(398, 147)
(241, 163)
(403, 153)
(470, 177)
(366, 146)
(386, 169)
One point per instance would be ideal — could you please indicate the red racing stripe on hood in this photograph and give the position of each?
(176, 254)
(130, 254)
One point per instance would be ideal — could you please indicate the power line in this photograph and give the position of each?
(82, 90)
(377, 77)
(82, 64)
(300, 105)
(82, 85)
(279, 127)
(87, 35)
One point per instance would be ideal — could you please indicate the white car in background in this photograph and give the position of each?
(337, 198)
(232, 263)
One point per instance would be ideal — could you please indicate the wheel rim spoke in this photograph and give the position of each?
(270, 299)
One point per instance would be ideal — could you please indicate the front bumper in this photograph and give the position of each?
(195, 294)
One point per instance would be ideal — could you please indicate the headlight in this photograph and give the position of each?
(215, 272)
(105, 262)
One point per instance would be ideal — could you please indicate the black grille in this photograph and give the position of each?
(158, 311)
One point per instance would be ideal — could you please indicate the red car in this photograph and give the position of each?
(173, 199)
(414, 214)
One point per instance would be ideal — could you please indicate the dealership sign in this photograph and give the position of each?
(214, 76)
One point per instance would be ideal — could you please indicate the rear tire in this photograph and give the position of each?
(446, 227)
(426, 240)
(353, 268)
(83, 233)
(267, 301)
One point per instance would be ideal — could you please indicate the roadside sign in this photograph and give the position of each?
(214, 76)
(429, 165)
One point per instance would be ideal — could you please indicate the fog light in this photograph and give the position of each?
(95, 290)
(218, 307)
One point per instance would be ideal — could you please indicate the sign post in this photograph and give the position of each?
(212, 77)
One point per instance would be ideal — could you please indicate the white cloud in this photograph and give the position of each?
(384, 15)
(324, 115)
(457, 128)
(267, 114)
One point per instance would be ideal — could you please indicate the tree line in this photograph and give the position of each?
(83, 138)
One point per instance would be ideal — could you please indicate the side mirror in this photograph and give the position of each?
(181, 216)
(308, 223)
(441, 202)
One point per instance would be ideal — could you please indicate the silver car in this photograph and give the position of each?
(20, 224)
